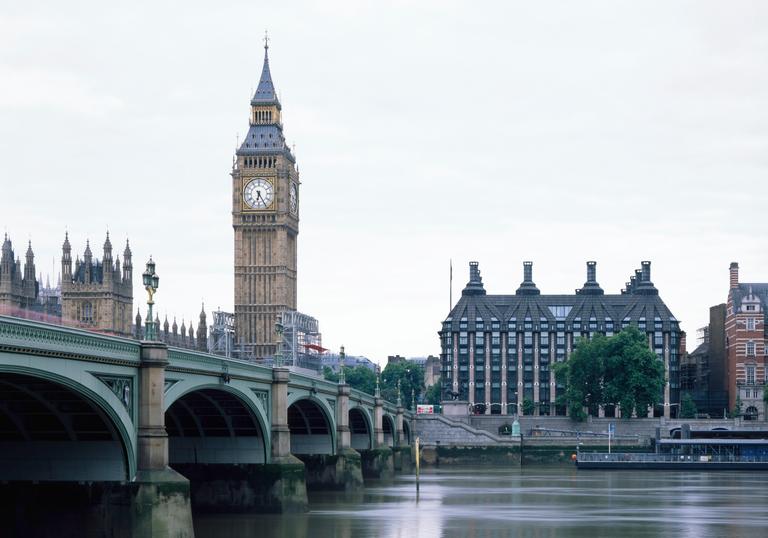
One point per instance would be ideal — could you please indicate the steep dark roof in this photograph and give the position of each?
(97, 273)
(745, 289)
(264, 139)
(749, 292)
(601, 307)
(265, 92)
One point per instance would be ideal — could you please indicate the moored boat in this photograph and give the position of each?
(701, 453)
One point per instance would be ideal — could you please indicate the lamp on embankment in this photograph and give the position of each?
(277, 360)
(151, 282)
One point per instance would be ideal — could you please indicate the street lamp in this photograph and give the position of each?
(277, 361)
(342, 375)
(151, 283)
(399, 399)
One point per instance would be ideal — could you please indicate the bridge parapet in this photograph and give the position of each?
(217, 366)
(43, 339)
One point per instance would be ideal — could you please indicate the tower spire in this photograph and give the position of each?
(265, 91)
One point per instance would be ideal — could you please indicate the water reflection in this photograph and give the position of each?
(530, 502)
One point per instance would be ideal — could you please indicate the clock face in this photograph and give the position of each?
(294, 201)
(258, 193)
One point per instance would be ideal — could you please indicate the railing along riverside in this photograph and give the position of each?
(641, 457)
(547, 432)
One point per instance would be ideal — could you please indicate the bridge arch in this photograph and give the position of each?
(58, 428)
(313, 429)
(388, 425)
(406, 433)
(216, 423)
(360, 428)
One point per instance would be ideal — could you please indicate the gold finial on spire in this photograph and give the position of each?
(266, 39)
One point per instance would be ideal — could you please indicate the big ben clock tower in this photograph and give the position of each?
(265, 217)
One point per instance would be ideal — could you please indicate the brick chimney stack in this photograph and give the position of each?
(734, 275)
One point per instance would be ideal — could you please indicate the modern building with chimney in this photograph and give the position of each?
(498, 350)
(745, 345)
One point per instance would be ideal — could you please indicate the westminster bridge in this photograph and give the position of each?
(150, 431)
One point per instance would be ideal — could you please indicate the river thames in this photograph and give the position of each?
(498, 502)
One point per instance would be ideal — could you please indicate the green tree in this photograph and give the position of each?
(634, 375)
(737, 409)
(330, 375)
(411, 378)
(617, 370)
(359, 377)
(434, 393)
(583, 375)
(528, 407)
(687, 407)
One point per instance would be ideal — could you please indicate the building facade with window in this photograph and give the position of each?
(97, 294)
(745, 337)
(703, 371)
(498, 350)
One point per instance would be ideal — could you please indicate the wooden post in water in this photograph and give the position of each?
(418, 458)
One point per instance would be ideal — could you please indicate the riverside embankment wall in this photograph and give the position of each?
(475, 440)
(624, 426)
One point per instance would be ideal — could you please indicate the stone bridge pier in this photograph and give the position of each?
(236, 461)
(160, 496)
(340, 469)
(378, 462)
(402, 459)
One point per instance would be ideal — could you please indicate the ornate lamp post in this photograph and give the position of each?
(342, 375)
(399, 399)
(278, 359)
(151, 283)
(377, 392)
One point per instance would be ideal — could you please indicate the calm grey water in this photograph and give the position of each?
(498, 502)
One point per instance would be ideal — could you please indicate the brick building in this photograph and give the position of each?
(745, 344)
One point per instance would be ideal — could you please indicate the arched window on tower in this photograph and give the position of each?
(87, 312)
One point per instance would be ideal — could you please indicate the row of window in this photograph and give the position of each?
(512, 339)
(85, 312)
(260, 162)
(751, 377)
(751, 349)
(262, 116)
(592, 324)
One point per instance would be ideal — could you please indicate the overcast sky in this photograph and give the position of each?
(556, 132)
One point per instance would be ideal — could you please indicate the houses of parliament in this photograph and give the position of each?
(90, 293)
(97, 294)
